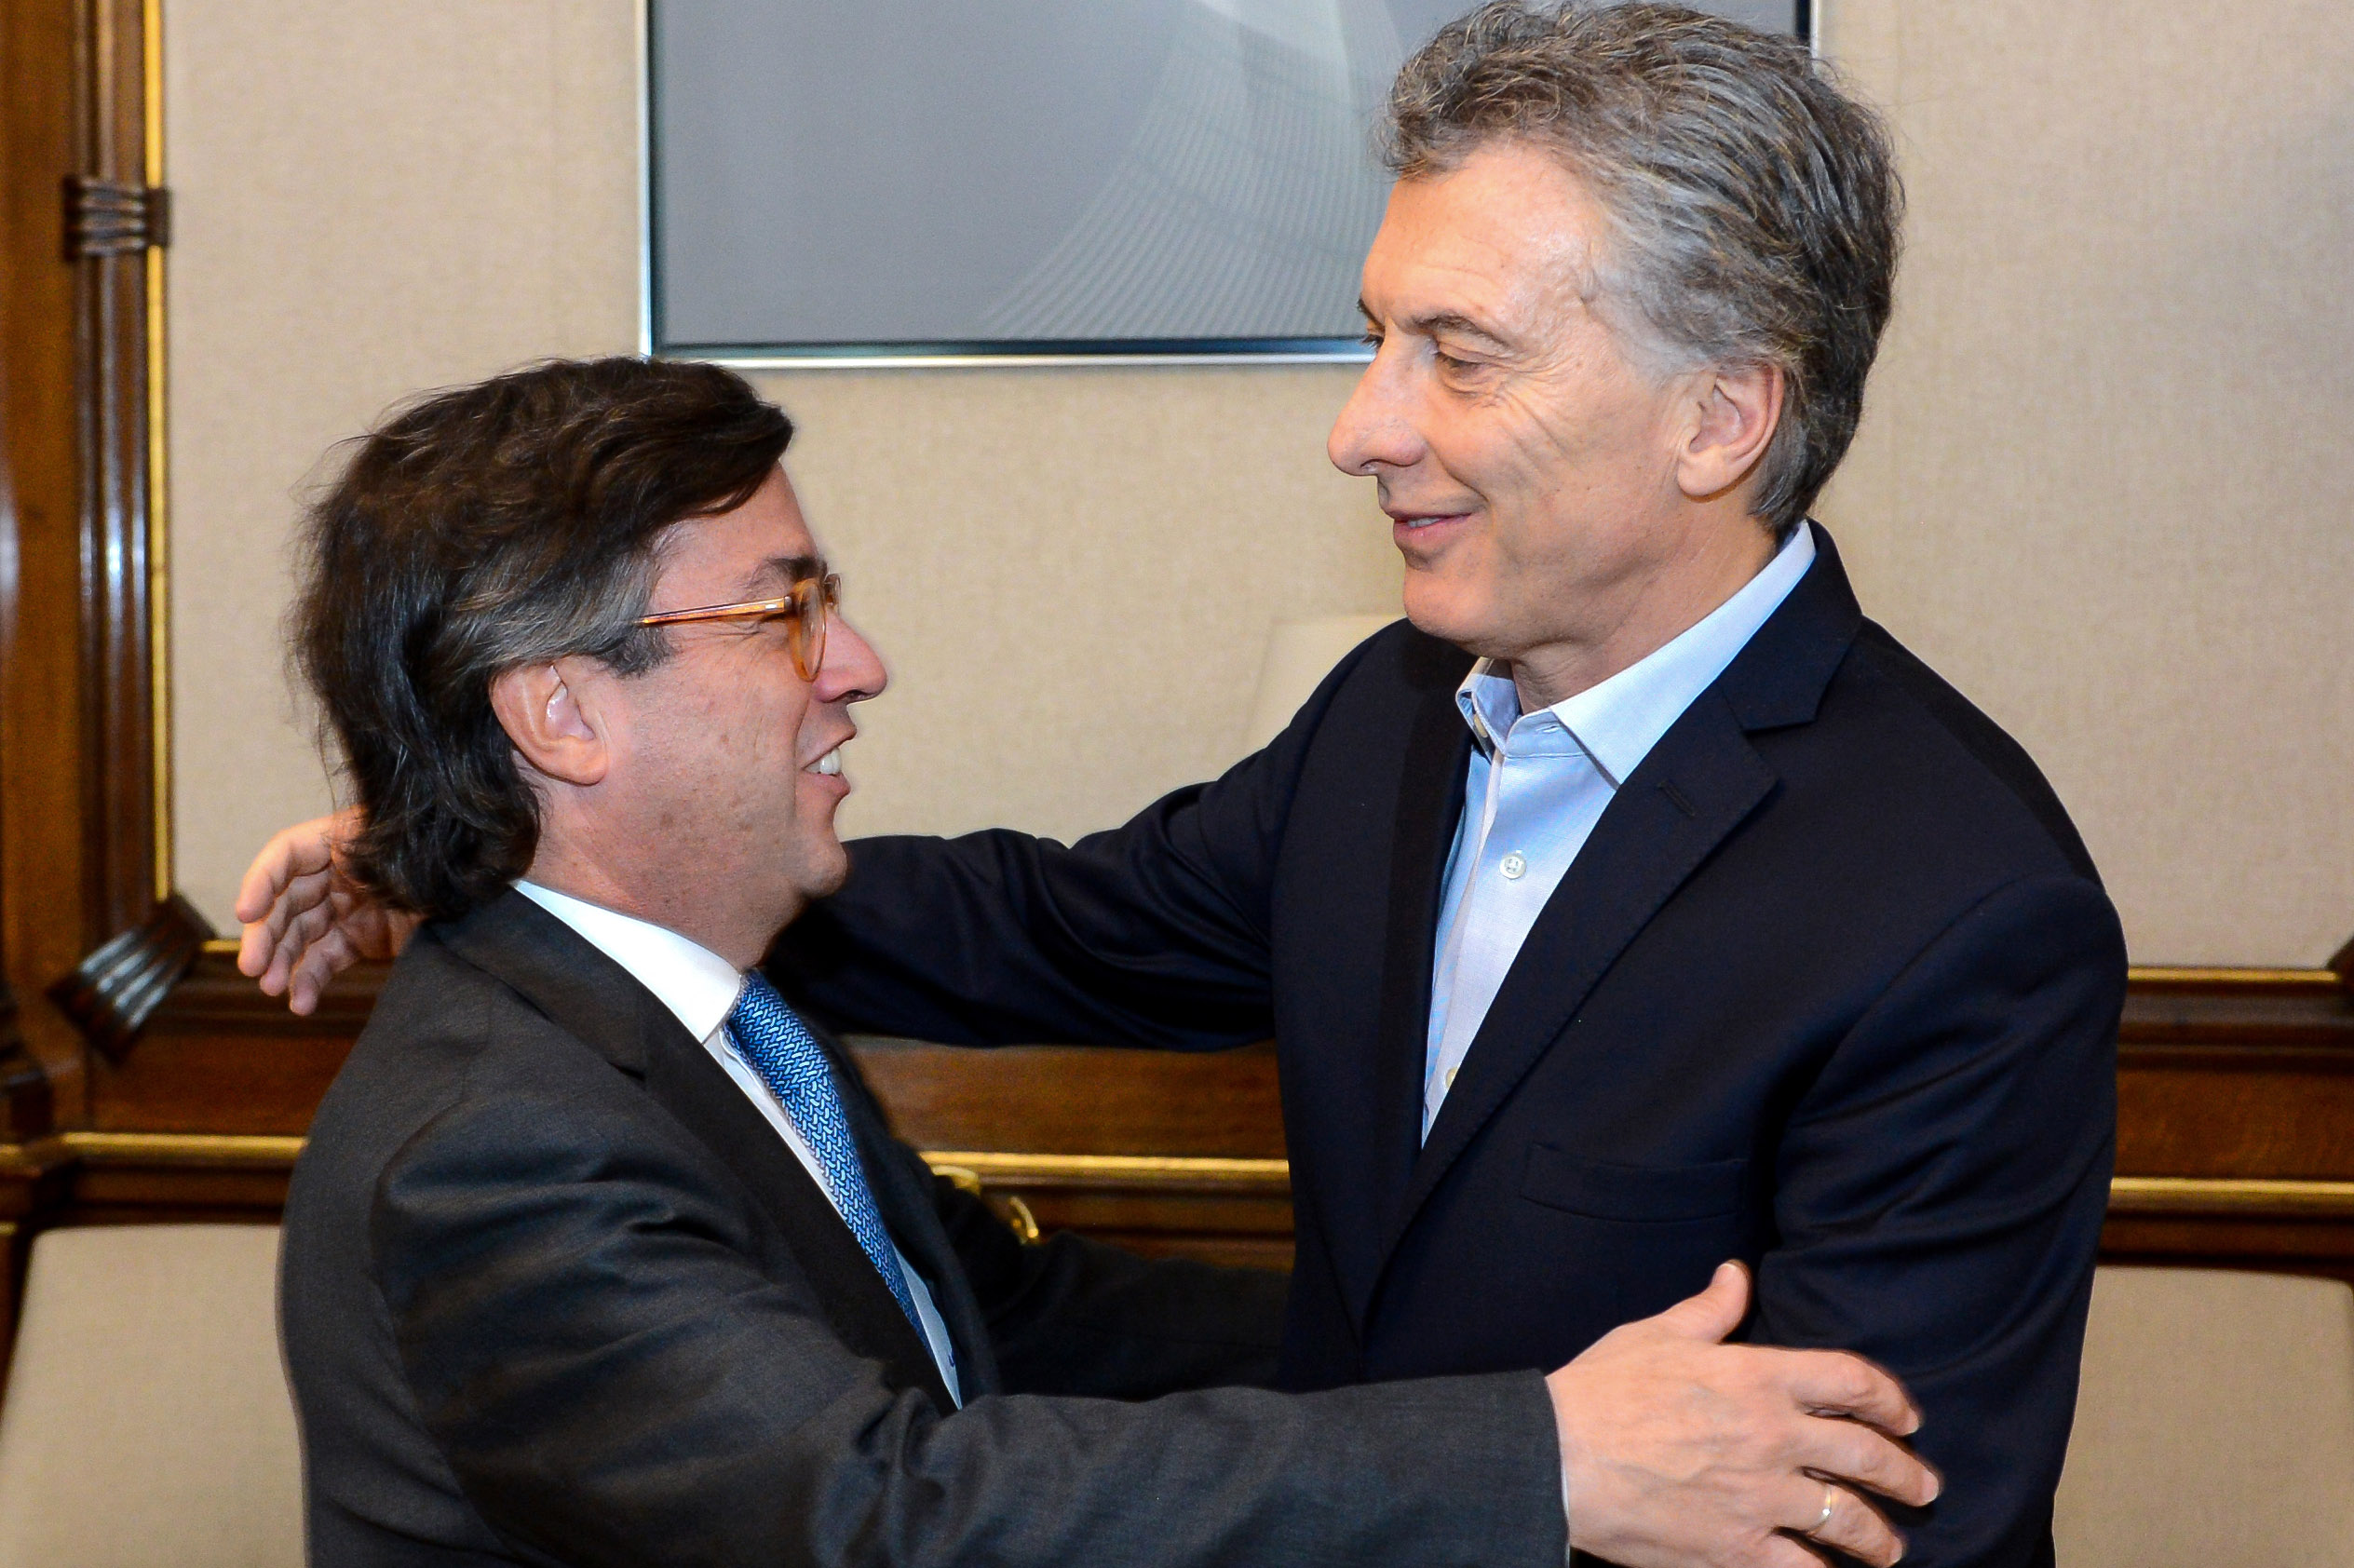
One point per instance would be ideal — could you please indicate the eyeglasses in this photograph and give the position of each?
(804, 610)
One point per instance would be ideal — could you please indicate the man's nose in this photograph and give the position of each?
(1374, 431)
(852, 671)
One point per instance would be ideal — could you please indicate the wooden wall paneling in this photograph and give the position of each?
(1165, 1152)
(108, 239)
(90, 937)
(2234, 1147)
(42, 931)
(139, 938)
(219, 1058)
(82, 851)
(1079, 1099)
(2236, 1123)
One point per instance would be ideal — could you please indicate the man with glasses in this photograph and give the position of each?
(600, 1254)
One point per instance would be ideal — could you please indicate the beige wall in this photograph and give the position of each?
(2098, 487)
(378, 198)
(2105, 483)
(1073, 573)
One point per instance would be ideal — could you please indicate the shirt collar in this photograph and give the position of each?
(697, 985)
(1620, 720)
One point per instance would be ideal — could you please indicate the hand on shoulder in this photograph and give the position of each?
(305, 920)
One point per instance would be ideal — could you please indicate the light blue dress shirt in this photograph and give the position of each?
(1538, 783)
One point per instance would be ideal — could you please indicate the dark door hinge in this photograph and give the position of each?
(111, 218)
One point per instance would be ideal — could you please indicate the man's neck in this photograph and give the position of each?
(692, 908)
(1651, 610)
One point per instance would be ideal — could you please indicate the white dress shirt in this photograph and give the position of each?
(1538, 782)
(700, 988)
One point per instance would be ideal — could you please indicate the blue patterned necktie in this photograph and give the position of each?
(786, 1056)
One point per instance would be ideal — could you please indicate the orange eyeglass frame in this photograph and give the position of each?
(806, 607)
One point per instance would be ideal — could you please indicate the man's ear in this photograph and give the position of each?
(552, 714)
(1738, 412)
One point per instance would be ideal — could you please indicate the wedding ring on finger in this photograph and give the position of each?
(1830, 1505)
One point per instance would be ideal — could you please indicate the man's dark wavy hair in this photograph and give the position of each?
(481, 529)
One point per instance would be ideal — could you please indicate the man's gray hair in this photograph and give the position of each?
(1754, 208)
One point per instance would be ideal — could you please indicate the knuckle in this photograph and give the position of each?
(1858, 1384)
(1782, 1551)
(1859, 1530)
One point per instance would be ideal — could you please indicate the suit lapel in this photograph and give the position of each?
(599, 1003)
(1429, 803)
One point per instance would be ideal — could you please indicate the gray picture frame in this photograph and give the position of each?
(689, 290)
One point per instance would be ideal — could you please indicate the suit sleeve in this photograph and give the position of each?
(1940, 1191)
(1152, 934)
(1072, 1315)
(612, 1382)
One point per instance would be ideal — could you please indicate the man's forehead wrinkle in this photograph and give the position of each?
(1512, 296)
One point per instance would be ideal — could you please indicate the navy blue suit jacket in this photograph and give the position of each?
(1832, 988)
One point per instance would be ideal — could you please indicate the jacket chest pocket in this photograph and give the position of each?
(1654, 1192)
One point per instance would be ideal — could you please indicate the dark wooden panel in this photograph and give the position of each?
(2239, 1101)
(1247, 1232)
(1079, 1099)
(208, 1062)
(219, 1057)
(2245, 1087)
(215, 1083)
(117, 693)
(2212, 1118)
(2314, 1246)
(2306, 1013)
(43, 927)
(185, 1193)
(2237, 1078)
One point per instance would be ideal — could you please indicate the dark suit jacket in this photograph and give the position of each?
(554, 1292)
(1832, 988)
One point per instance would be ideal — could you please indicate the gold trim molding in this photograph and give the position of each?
(2218, 975)
(1191, 1173)
(2283, 1197)
(216, 1150)
(181, 1148)
(158, 465)
(2241, 1196)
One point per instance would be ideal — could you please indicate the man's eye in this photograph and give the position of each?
(1370, 338)
(1448, 361)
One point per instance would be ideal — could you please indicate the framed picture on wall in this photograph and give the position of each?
(908, 181)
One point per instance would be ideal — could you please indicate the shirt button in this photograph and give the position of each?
(1513, 866)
